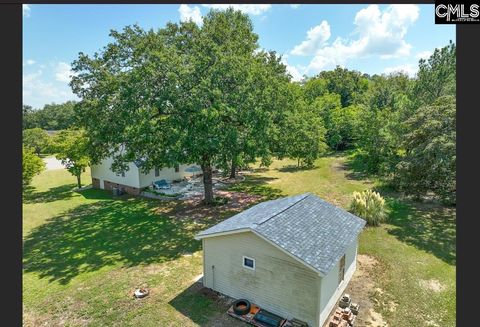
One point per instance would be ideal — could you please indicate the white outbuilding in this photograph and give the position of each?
(292, 256)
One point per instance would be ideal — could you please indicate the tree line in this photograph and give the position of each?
(210, 95)
(51, 117)
(399, 128)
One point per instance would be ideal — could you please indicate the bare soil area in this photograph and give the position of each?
(362, 290)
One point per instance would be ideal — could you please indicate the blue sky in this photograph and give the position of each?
(311, 38)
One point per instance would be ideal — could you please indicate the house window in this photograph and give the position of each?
(248, 262)
(177, 168)
(341, 271)
(157, 172)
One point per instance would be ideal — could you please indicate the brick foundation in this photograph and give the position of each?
(125, 188)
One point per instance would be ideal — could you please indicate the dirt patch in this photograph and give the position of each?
(432, 323)
(431, 285)
(194, 209)
(362, 289)
(375, 320)
(31, 319)
(63, 318)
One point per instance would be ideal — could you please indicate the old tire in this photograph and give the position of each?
(241, 307)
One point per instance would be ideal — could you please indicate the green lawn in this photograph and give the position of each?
(85, 252)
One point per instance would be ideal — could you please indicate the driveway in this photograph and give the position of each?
(52, 163)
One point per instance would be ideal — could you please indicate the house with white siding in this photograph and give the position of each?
(292, 256)
(133, 180)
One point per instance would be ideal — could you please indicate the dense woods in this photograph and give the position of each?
(210, 95)
(50, 117)
(400, 129)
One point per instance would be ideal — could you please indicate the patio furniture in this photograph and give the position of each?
(162, 185)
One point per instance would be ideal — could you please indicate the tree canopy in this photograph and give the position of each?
(71, 146)
(50, 117)
(301, 131)
(31, 165)
(180, 94)
(208, 95)
(36, 139)
(429, 163)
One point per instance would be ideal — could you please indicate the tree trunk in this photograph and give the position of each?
(79, 182)
(298, 162)
(207, 182)
(233, 168)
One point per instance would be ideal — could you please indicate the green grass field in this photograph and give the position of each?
(85, 252)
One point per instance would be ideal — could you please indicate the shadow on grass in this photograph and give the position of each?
(204, 307)
(99, 194)
(294, 168)
(194, 303)
(258, 185)
(91, 236)
(356, 167)
(53, 194)
(427, 226)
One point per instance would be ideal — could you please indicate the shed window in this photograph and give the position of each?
(157, 172)
(341, 271)
(249, 263)
(177, 168)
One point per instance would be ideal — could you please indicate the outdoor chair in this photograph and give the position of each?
(162, 185)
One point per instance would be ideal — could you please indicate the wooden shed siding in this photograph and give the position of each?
(331, 290)
(279, 283)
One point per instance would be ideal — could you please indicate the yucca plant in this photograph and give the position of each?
(370, 206)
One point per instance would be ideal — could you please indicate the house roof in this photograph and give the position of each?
(312, 230)
(139, 162)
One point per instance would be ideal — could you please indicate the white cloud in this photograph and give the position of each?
(247, 9)
(190, 13)
(26, 10)
(29, 62)
(295, 6)
(423, 54)
(292, 70)
(39, 89)
(63, 72)
(409, 69)
(316, 37)
(378, 34)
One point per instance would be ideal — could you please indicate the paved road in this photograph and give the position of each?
(52, 163)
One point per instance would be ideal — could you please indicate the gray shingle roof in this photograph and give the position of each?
(311, 229)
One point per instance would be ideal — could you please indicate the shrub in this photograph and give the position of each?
(37, 139)
(218, 201)
(31, 165)
(370, 206)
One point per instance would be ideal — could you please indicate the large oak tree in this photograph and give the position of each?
(180, 94)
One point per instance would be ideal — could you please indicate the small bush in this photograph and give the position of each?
(370, 206)
(218, 201)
